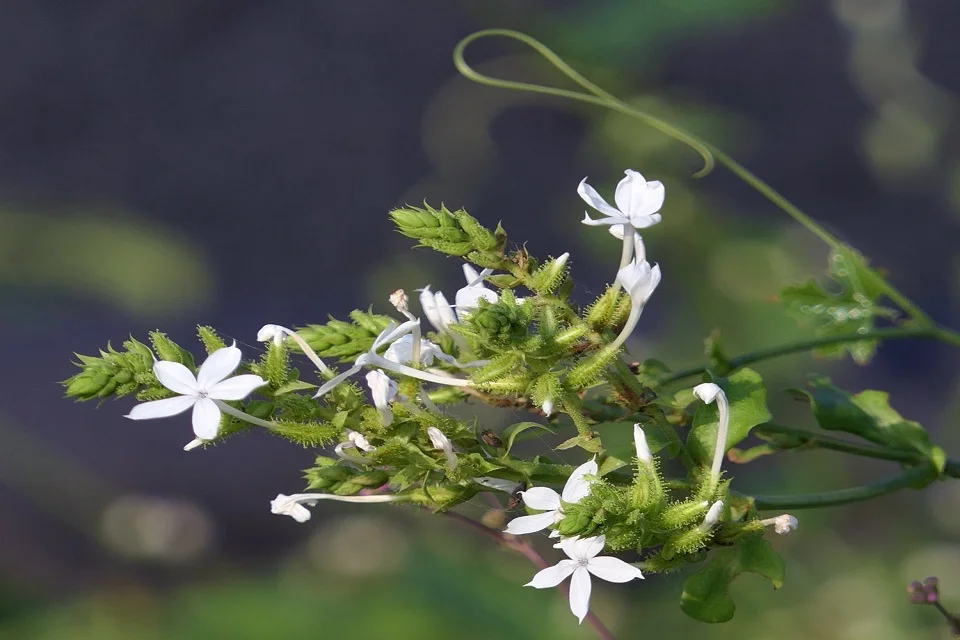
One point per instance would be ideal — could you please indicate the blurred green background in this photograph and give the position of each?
(231, 162)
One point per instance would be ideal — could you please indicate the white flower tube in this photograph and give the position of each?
(709, 392)
(640, 280)
(293, 505)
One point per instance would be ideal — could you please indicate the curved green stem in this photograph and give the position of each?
(843, 496)
(802, 346)
(710, 155)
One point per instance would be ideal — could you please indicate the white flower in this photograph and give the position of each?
(782, 524)
(582, 562)
(640, 442)
(372, 359)
(639, 250)
(442, 443)
(638, 202)
(401, 352)
(712, 517)
(640, 280)
(293, 505)
(437, 309)
(356, 440)
(203, 393)
(468, 298)
(547, 407)
(276, 332)
(547, 500)
(384, 390)
(708, 392)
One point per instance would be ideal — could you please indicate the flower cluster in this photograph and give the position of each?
(396, 442)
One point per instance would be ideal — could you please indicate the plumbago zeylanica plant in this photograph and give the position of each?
(652, 488)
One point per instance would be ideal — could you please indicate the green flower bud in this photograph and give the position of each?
(681, 514)
(344, 340)
(589, 369)
(548, 277)
(577, 523)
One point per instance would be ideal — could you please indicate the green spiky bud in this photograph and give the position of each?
(275, 365)
(549, 276)
(210, 339)
(588, 370)
(482, 238)
(682, 514)
(114, 373)
(452, 233)
(499, 367)
(344, 340)
(169, 350)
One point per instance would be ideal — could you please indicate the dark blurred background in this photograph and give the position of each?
(231, 162)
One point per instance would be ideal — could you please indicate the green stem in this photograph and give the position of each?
(708, 153)
(802, 346)
(843, 496)
(822, 441)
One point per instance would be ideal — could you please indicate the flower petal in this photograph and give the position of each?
(471, 275)
(611, 220)
(444, 309)
(531, 524)
(592, 198)
(585, 548)
(206, 419)
(652, 201)
(175, 376)
(613, 569)
(218, 366)
(328, 386)
(631, 193)
(541, 498)
(552, 576)
(580, 593)
(577, 487)
(468, 299)
(236, 388)
(161, 408)
(428, 303)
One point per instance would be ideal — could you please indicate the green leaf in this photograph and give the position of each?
(748, 408)
(706, 593)
(510, 434)
(847, 303)
(868, 415)
(593, 445)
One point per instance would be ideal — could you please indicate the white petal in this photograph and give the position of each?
(236, 388)
(270, 332)
(583, 548)
(631, 193)
(428, 303)
(193, 444)
(175, 376)
(329, 385)
(707, 392)
(613, 569)
(218, 366)
(470, 274)
(206, 419)
(552, 576)
(288, 506)
(161, 408)
(640, 442)
(530, 524)
(652, 201)
(468, 299)
(541, 499)
(599, 222)
(445, 310)
(642, 222)
(784, 524)
(359, 440)
(713, 516)
(383, 389)
(580, 593)
(592, 198)
(393, 332)
(577, 487)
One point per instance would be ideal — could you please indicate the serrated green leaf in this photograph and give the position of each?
(748, 407)
(706, 593)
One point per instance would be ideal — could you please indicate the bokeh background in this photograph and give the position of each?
(231, 162)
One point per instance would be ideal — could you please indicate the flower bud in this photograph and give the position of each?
(681, 514)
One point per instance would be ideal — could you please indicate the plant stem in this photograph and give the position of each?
(802, 346)
(524, 548)
(822, 441)
(843, 496)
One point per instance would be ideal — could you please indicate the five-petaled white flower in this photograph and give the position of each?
(638, 202)
(582, 562)
(204, 393)
(293, 505)
(640, 280)
(384, 390)
(549, 501)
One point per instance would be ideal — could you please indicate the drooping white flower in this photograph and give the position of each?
(638, 202)
(468, 298)
(203, 393)
(782, 524)
(384, 390)
(640, 280)
(640, 443)
(712, 517)
(549, 502)
(582, 561)
(442, 443)
(276, 333)
(709, 392)
(293, 505)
